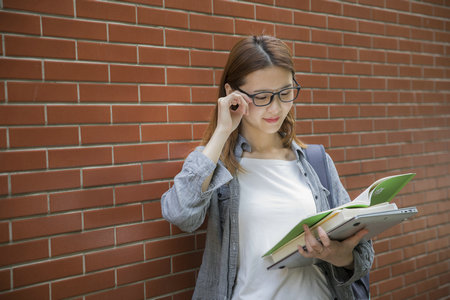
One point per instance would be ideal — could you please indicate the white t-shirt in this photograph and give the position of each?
(274, 196)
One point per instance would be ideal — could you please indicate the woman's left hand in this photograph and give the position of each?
(336, 253)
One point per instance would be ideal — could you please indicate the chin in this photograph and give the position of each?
(272, 129)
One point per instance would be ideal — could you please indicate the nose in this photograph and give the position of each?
(275, 105)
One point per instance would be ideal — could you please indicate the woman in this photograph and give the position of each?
(251, 178)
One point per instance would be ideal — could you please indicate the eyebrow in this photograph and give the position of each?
(286, 86)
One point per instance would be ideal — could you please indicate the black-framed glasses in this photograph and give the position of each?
(288, 94)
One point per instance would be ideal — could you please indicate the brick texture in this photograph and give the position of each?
(100, 101)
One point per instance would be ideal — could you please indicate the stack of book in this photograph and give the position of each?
(371, 210)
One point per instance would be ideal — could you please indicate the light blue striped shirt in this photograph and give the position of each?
(186, 206)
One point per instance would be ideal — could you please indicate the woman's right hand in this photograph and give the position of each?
(227, 121)
(227, 118)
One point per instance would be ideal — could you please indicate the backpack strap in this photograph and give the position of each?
(315, 155)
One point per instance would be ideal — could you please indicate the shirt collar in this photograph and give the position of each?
(299, 151)
(243, 145)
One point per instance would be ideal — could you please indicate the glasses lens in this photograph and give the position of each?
(289, 94)
(262, 99)
(285, 95)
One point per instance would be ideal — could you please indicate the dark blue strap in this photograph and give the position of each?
(315, 155)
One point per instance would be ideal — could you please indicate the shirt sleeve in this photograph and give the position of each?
(184, 204)
(362, 262)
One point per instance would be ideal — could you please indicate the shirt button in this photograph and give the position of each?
(317, 197)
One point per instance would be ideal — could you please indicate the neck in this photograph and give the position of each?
(263, 143)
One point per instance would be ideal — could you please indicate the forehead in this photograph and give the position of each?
(270, 78)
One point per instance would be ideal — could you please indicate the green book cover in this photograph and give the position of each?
(382, 190)
(386, 190)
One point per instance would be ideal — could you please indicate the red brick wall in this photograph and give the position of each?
(100, 102)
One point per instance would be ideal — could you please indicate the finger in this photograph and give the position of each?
(312, 244)
(307, 236)
(228, 99)
(324, 237)
(303, 252)
(224, 102)
(231, 101)
(356, 238)
(244, 96)
(239, 101)
(237, 96)
(234, 98)
(245, 105)
(246, 101)
(234, 104)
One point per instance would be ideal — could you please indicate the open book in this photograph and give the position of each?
(375, 199)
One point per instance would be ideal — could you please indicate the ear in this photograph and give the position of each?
(228, 89)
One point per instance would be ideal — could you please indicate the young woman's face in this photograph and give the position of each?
(266, 119)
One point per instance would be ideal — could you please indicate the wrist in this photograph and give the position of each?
(350, 266)
(221, 133)
(213, 149)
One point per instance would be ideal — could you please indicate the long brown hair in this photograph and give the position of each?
(248, 55)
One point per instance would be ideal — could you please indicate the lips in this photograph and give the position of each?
(271, 120)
